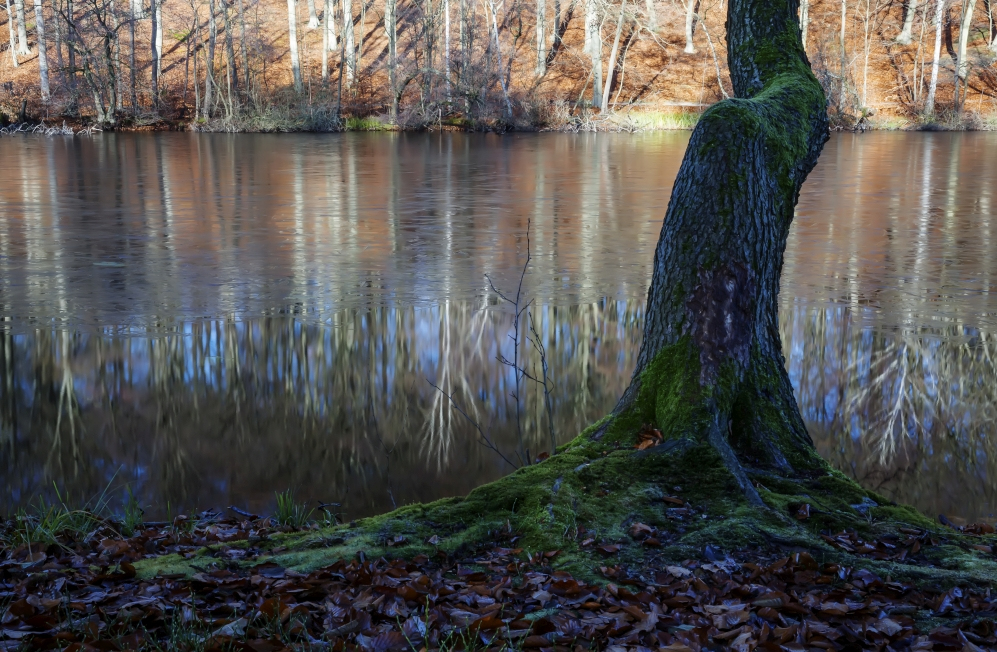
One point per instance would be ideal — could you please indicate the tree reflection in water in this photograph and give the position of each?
(220, 411)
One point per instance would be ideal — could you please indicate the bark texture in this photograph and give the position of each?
(711, 363)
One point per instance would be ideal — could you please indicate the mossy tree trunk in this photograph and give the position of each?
(711, 364)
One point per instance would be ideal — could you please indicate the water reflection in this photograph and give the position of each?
(212, 318)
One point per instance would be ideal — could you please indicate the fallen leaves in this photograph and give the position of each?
(83, 598)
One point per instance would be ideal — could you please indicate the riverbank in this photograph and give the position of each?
(75, 580)
(553, 117)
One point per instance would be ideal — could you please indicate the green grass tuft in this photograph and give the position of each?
(290, 513)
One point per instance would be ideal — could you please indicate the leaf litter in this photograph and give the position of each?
(84, 595)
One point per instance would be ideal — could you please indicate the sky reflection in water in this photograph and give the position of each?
(213, 318)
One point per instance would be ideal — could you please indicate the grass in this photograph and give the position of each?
(290, 513)
(43, 524)
(661, 120)
(368, 123)
(131, 517)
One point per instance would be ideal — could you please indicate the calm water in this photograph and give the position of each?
(209, 319)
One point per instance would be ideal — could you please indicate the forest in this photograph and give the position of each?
(586, 65)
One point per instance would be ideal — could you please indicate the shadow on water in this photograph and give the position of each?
(210, 319)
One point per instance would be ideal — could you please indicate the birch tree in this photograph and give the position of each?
(13, 38)
(593, 47)
(348, 44)
(910, 10)
(691, 7)
(42, 55)
(156, 11)
(929, 104)
(391, 31)
(612, 57)
(313, 21)
(209, 61)
(541, 40)
(22, 29)
(968, 9)
(292, 30)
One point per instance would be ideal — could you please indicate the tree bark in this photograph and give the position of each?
(541, 37)
(614, 52)
(929, 103)
(710, 366)
(593, 48)
(312, 15)
(13, 38)
(348, 44)
(157, 46)
(391, 30)
(42, 56)
(691, 7)
(22, 29)
(243, 48)
(292, 31)
(209, 61)
(905, 36)
(968, 9)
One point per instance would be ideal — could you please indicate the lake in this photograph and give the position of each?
(208, 319)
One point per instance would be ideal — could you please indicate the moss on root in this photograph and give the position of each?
(599, 484)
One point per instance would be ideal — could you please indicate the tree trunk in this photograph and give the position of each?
(313, 21)
(991, 27)
(292, 31)
(13, 38)
(612, 58)
(348, 45)
(691, 6)
(232, 71)
(968, 9)
(157, 46)
(22, 29)
(929, 103)
(391, 30)
(209, 60)
(710, 366)
(243, 48)
(541, 37)
(905, 36)
(652, 15)
(42, 56)
(593, 47)
(132, 68)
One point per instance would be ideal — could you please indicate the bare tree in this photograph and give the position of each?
(968, 9)
(593, 47)
(13, 39)
(910, 10)
(612, 57)
(391, 31)
(313, 21)
(348, 44)
(22, 29)
(691, 7)
(929, 104)
(156, 10)
(209, 68)
(541, 38)
(292, 31)
(42, 56)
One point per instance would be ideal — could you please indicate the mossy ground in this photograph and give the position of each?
(597, 486)
(574, 496)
